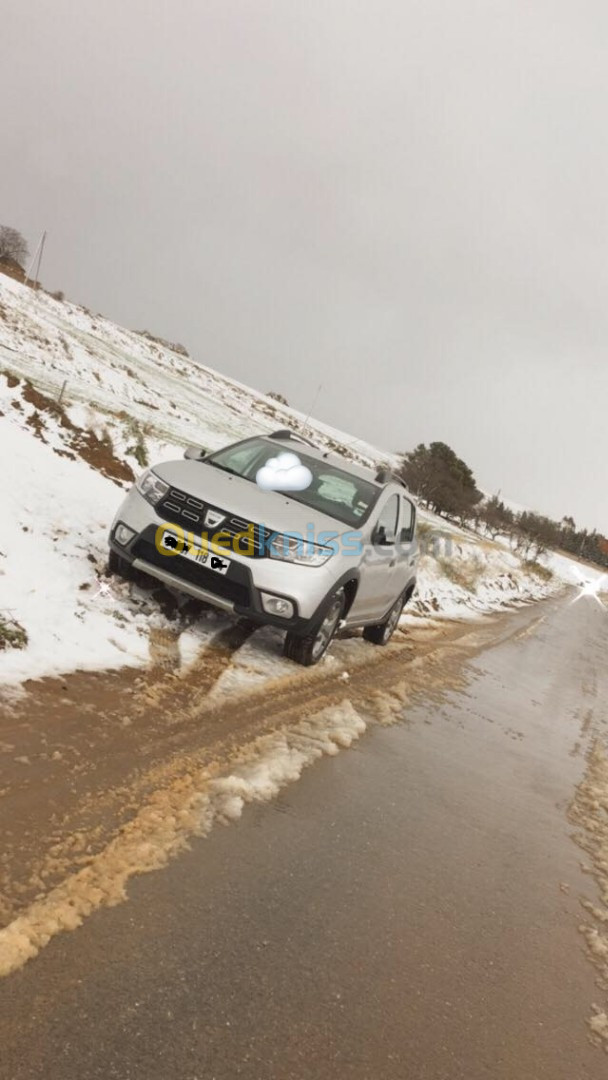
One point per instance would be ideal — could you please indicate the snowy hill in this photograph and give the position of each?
(85, 406)
(122, 372)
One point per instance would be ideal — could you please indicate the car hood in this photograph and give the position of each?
(243, 498)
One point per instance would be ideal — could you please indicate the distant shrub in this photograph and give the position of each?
(58, 295)
(140, 453)
(12, 635)
(175, 347)
(138, 448)
(424, 529)
(539, 571)
(462, 572)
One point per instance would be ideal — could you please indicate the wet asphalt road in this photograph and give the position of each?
(408, 909)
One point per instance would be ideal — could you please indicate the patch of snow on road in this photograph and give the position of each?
(589, 812)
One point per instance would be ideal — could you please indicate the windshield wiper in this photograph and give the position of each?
(226, 468)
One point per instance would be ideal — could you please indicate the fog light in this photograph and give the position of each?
(277, 605)
(122, 534)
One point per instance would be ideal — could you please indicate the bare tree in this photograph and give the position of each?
(12, 245)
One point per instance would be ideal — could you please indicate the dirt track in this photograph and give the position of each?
(83, 753)
(416, 908)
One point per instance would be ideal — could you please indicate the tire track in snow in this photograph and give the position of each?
(177, 758)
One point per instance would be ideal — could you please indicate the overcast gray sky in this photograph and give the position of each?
(406, 201)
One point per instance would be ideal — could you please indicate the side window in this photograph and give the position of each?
(388, 519)
(408, 520)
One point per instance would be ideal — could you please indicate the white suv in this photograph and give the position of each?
(276, 530)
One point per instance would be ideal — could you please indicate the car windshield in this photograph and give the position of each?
(333, 491)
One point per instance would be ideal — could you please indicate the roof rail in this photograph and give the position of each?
(386, 476)
(286, 433)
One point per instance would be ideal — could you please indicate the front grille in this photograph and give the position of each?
(226, 587)
(177, 507)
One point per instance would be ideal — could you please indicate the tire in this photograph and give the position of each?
(382, 633)
(310, 648)
(119, 566)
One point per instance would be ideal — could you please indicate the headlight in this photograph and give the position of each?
(296, 550)
(151, 487)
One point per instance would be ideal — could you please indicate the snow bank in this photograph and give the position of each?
(53, 553)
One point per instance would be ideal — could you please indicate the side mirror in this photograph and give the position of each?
(380, 538)
(195, 453)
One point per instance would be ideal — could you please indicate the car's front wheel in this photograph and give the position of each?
(119, 566)
(382, 633)
(311, 647)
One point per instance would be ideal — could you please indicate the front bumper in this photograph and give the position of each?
(239, 591)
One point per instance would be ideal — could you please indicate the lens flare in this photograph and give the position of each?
(592, 588)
